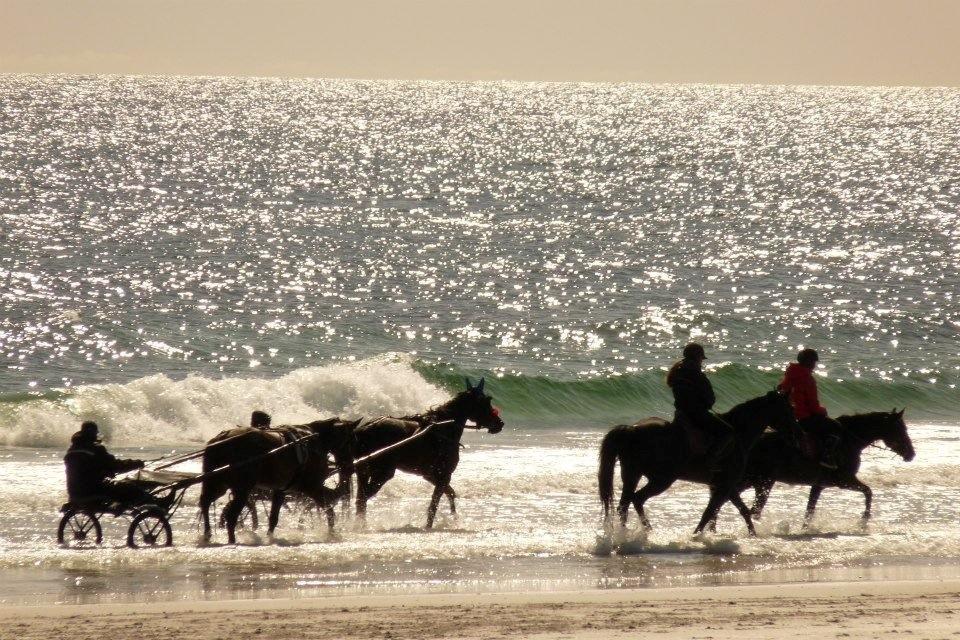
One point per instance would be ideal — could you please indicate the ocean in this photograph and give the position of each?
(180, 251)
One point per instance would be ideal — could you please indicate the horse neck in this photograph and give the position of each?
(747, 423)
(447, 411)
(864, 429)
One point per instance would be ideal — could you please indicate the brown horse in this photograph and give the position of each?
(434, 455)
(658, 450)
(777, 459)
(245, 463)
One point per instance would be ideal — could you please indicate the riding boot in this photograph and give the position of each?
(828, 457)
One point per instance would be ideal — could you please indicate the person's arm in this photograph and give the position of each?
(128, 465)
(709, 397)
(784, 385)
(113, 465)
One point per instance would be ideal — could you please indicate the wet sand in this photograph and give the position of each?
(919, 609)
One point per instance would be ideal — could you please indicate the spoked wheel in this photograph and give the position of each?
(79, 529)
(150, 529)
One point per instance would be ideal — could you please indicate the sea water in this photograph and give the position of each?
(180, 251)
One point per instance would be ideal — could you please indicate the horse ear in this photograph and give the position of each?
(479, 387)
(900, 413)
(469, 385)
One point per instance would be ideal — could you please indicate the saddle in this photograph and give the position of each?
(810, 444)
(289, 435)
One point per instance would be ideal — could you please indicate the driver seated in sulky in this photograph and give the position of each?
(90, 468)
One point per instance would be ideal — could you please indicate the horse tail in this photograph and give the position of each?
(610, 449)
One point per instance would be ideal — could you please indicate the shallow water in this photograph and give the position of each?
(528, 517)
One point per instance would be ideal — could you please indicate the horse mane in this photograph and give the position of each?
(431, 411)
(743, 406)
(855, 420)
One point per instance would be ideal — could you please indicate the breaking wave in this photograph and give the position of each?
(159, 409)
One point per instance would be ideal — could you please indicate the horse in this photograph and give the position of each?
(432, 455)
(659, 450)
(242, 462)
(776, 459)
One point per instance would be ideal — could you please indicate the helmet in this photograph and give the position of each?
(259, 419)
(693, 351)
(808, 357)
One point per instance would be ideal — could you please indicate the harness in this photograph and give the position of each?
(301, 450)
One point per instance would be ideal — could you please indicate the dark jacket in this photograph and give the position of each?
(692, 392)
(89, 464)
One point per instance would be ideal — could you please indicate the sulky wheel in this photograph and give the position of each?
(79, 529)
(150, 529)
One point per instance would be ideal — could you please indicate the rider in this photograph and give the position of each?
(799, 382)
(693, 398)
(89, 465)
(260, 420)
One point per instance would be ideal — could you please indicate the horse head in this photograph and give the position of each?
(334, 436)
(474, 404)
(895, 435)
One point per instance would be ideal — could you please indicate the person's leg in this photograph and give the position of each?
(723, 438)
(827, 433)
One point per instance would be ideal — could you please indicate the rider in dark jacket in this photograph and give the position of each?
(90, 465)
(693, 399)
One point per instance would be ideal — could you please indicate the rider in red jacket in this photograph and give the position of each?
(799, 382)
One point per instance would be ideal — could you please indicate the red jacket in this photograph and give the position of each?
(800, 383)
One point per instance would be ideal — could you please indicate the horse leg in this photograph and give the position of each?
(276, 502)
(855, 485)
(736, 499)
(630, 479)
(326, 500)
(815, 492)
(346, 481)
(237, 501)
(717, 498)
(209, 493)
(762, 494)
(451, 496)
(369, 487)
(439, 488)
(744, 511)
(363, 479)
(653, 487)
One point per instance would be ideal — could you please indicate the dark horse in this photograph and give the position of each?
(656, 449)
(434, 455)
(302, 468)
(776, 459)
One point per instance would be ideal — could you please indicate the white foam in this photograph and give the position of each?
(158, 410)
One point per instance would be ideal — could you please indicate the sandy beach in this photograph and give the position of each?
(920, 609)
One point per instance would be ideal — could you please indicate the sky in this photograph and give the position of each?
(863, 42)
